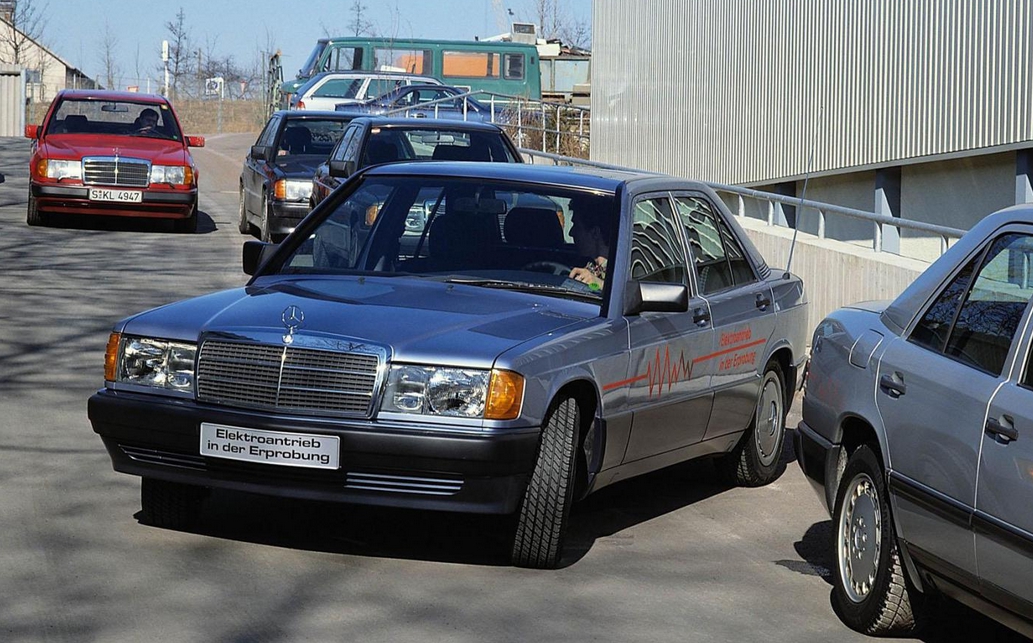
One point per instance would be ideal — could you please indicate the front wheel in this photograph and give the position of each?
(242, 225)
(757, 459)
(171, 505)
(544, 513)
(187, 225)
(33, 215)
(869, 590)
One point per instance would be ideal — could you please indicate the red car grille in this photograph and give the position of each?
(116, 171)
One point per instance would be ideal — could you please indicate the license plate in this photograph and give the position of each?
(122, 196)
(270, 447)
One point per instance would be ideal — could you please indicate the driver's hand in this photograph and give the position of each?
(585, 276)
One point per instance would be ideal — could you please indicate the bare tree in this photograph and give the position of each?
(359, 25)
(24, 24)
(555, 22)
(179, 51)
(112, 71)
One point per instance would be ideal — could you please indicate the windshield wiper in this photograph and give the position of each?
(543, 289)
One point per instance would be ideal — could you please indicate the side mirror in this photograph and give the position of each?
(256, 253)
(32, 131)
(645, 296)
(342, 169)
(195, 141)
(260, 152)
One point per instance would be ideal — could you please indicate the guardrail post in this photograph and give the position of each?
(877, 238)
(943, 243)
(887, 202)
(821, 224)
(771, 212)
(543, 129)
(741, 209)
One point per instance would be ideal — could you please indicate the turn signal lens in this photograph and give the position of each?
(41, 168)
(111, 357)
(371, 214)
(188, 175)
(505, 395)
(280, 189)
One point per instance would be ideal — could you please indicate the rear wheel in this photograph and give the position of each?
(170, 505)
(242, 225)
(757, 459)
(869, 590)
(33, 215)
(545, 511)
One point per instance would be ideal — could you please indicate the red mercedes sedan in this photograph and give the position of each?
(114, 154)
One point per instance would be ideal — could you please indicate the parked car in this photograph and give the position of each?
(276, 181)
(456, 365)
(375, 140)
(327, 89)
(917, 433)
(426, 101)
(114, 154)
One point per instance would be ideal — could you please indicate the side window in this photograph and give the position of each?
(713, 269)
(513, 66)
(268, 135)
(987, 321)
(656, 247)
(351, 152)
(342, 145)
(337, 88)
(975, 318)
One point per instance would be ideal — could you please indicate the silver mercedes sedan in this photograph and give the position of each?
(917, 433)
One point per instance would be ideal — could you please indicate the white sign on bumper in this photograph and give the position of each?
(270, 447)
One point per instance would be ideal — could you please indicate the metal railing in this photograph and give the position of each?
(774, 204)
(554, 127)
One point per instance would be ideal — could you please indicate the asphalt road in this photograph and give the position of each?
(673, 556)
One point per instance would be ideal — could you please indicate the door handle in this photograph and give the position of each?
(892, 385)
(1003, 432)
(763, 301)
(700, 316)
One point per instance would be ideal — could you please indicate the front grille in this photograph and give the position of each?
(168, 458)
(403, 484)
(287, 378)
(116, 171)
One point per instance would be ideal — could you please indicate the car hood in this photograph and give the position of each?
(417, 320)
(300, 167)
(156, 150)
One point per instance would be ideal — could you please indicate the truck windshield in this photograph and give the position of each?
(309, 68)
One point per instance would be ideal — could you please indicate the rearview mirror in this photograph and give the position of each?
(645, 296)
(342, 169)
(255, 253)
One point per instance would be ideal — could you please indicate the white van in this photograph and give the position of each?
(328, 89)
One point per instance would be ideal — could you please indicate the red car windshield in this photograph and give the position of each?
(119, 118)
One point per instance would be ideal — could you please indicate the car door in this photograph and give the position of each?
(1003, 520)
(740, 307)
(934, 388)
(669, 388)
(253, 178)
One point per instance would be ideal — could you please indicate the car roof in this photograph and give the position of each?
(110, 94)
(320, 114)
(402, 122)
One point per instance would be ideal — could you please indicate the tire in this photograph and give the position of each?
(869, 589)
(545, 510)
(170, 505)
(242, 225)
(33, 215)
(757, 459)
(187, 225)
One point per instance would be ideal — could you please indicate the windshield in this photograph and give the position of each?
(494, 234)
(120, 118)
(309, 67)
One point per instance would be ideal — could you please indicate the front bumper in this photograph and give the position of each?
(168, 204)
(284, 216)
(398, 466)
(819, 459)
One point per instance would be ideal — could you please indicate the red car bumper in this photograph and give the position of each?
(158, 204)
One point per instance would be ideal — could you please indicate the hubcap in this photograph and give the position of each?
(859, 538)
(768, 431)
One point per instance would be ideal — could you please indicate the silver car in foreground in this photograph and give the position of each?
(917, 433)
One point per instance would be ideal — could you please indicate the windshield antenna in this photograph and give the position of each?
(803, 196)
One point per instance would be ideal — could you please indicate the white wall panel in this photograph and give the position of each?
(735, 91)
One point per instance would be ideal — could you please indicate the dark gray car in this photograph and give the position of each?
(917, 433)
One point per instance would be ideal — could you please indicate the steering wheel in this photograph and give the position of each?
(551, 267)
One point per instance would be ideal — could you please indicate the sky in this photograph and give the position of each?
(75, 29)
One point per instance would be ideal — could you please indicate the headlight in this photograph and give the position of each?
(56, 169)
(291, 190)
(172, 174)
(152, 362)
(454, 392)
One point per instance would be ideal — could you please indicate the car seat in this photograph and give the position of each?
(296, 140)
(533, 228)
(451, 153)
(76, 123)
(380, 152)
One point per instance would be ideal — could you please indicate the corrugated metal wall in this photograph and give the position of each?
(12, 101)
(735, 91)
